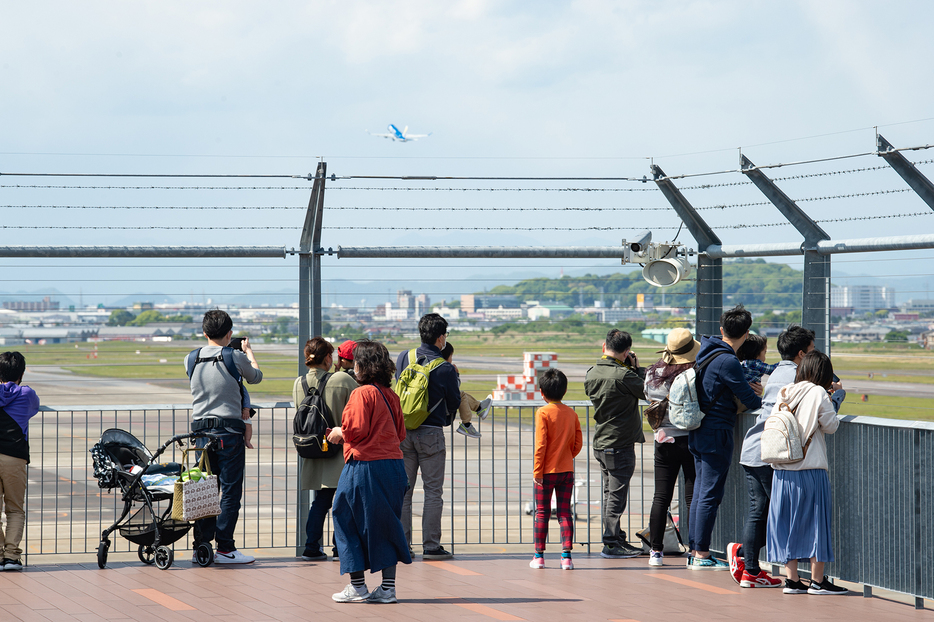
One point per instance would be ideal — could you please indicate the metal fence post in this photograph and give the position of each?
(709, 270)
(814, 299)
(309, 314)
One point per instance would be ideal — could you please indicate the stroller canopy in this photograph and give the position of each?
(125, 448)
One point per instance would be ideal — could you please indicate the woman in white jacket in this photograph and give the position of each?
(800, 511)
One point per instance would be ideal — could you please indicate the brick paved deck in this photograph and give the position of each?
(473, 586)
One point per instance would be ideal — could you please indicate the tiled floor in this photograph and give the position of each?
(469, 587)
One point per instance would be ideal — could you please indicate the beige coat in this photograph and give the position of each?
(318, 474)
(815, 415)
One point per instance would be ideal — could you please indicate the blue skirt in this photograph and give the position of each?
(367, 515)
(799, 517)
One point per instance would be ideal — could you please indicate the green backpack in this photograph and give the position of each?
(412, 389)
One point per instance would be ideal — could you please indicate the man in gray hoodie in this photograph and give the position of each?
(793, 343)
(18, 404)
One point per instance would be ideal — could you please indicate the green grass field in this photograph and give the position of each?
(163, 362)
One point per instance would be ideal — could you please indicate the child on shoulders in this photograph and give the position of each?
(469, 404)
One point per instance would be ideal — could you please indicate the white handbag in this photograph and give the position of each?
(196, 498)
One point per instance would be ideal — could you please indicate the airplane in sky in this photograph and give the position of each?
(398, 135)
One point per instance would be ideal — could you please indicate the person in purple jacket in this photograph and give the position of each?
(18, 404)
(719, 378)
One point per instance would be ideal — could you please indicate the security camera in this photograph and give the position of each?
(641, 243)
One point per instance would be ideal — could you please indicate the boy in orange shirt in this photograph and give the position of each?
(558, 440)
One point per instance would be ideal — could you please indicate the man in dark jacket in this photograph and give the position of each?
(424, 448)
(615, 385)
(18, 404)
(719, 379)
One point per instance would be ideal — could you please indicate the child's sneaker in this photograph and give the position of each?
(567, 564)
(737, 563)
(763, 579)
(485, 406)
(467, 429)
(537, 562)
(707, 563)
(656, 558)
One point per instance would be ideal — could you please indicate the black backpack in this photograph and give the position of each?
(312, 419)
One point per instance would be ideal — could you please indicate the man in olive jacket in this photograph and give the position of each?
(615, 385)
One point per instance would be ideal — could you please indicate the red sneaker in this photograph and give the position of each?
(763, 579)
(737, 563)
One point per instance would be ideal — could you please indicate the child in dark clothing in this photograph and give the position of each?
(752, 357)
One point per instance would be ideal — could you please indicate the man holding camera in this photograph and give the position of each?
(615, 385)
(218, 407)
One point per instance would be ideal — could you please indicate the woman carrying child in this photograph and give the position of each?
(558, 440)
(800, 510)
(671, 444)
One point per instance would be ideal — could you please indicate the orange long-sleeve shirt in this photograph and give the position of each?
(558, 439)
(370, 431)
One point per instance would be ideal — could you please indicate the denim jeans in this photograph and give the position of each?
(424, 449)
(228, 459)
(713, 451)
(670, 459)
(317, 513)
(759, 485)
(617, 465)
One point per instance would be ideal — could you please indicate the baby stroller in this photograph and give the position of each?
(122, 461)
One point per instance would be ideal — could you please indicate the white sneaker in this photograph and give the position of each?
(234, 557)
(467, 429)
(350, 595)
(656, 558)
(484, 411)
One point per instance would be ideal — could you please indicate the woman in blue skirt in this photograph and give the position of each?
(367, 507)
(800, 510)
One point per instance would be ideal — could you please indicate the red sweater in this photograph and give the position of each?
(558, 439)
(368, 427)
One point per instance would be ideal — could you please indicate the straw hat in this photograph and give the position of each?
(682, 347)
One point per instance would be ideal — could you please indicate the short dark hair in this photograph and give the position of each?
(554, 384)
(815, 367)
(12, 367)
(216, 324)
(794, 339)
(447, 351)
(736, 321)
(431, 327)
(751, 348)
(618, 341)
(316, 350)
(373, 363)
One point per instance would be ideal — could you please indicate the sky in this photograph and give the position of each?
(507, 89)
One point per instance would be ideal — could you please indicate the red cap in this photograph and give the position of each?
(345, 350)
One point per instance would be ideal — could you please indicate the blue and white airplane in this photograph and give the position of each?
(401, 136)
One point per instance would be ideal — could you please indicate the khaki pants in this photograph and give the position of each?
(12, 499)
(469, 405)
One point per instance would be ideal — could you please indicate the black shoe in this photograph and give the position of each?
(795, 587)
(311, 555)
(334, 555)
(438, 553)
(826, 588)
(11, 564)
(620, 551)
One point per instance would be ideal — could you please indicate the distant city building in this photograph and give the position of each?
(405, 299)
(860, 299)
(46, 304)
(918, 306)
(475, 302)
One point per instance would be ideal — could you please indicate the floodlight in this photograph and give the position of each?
(666, 272)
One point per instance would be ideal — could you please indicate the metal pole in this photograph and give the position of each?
(143, 251)
(308, 260)
(815, 302)
(481, 252)
(918, 182)
(709, 269)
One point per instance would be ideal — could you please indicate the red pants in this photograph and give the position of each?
(563, 485)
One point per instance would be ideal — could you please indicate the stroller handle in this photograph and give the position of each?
(213, 439)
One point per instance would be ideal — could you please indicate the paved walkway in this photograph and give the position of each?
(471, 587)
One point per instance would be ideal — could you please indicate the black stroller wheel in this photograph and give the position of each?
(205, 554)
(164, 557)
(102, 549)
(147, 554)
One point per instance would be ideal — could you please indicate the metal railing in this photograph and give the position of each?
(882, 483)
(488, 489)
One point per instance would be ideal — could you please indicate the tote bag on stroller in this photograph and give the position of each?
(196, 491)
